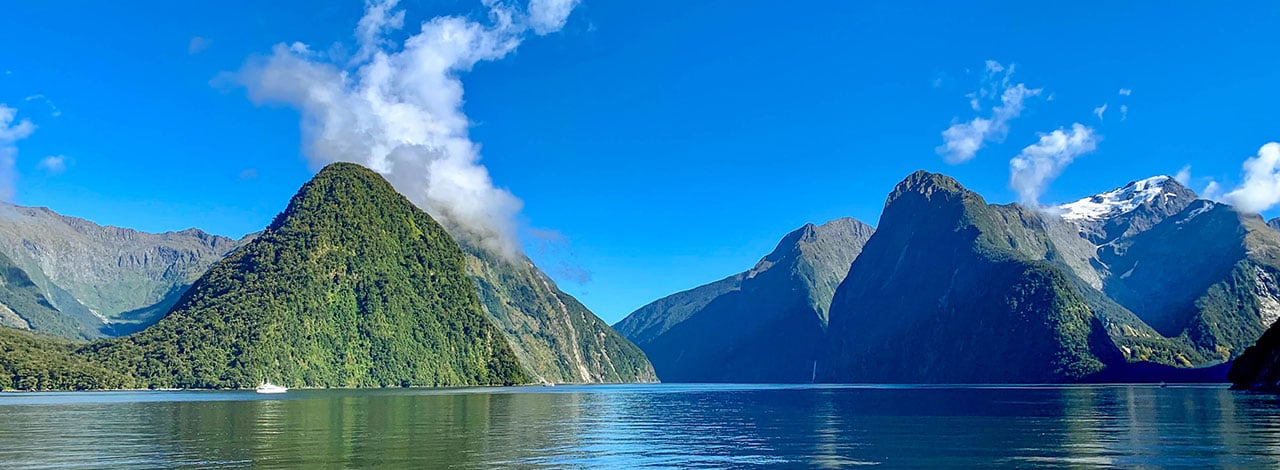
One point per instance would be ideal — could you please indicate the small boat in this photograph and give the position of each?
(268, 387)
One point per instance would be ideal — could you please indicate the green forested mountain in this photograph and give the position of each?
(98, 280)
(351, 286)
(34, 361)
(1209, 274)
(952, 289)
(945, 291)
(556, 338)
(763, 325)
(1258, 368)
(246, 299)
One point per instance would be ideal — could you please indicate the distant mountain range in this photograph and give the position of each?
(95, 281)
(353, 286)
(350, 286)
(763, 325)
(1137, 280)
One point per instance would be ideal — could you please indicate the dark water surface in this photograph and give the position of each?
(649, 425)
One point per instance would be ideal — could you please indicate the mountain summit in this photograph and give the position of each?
(1124, 211)
(762, 325)
(950, 289)
(350, 286)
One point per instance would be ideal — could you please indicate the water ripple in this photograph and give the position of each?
(660, 426)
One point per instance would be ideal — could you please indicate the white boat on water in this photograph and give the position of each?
(268, 387)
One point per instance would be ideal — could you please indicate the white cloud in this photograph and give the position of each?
(198, 44)
(1100, 111)
(1212, 191)
(548, 16)
(1124, 112)
(54, 164)
(298, 48)
(1040, 163)
(1125, 92)
(397, 108)
(53, 109)
(378, 20)
(248, 174)
(1261, 187)
(1184, 175)
(962, 140)
(11, 131)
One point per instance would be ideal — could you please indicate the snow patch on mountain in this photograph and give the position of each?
(1117, 201)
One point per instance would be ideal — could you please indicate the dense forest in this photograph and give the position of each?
(33, 361)
(351, 286)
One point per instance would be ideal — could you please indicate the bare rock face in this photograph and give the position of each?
(1128, 210)
(109, 280)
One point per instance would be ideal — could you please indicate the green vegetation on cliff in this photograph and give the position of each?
(32, 361)
(950, 289)
(351, 286)
(556, 338)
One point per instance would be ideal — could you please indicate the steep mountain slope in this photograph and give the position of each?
(1258, 368)
(23, 306)
(1193, 269)
(350, 286)
(555, 337)
(764, 325)
(657, 317)
(109, 280)
(1209, 273)
(950, 289)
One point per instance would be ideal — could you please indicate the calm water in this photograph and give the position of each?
(656, 425)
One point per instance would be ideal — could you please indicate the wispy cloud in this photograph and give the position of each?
(54, 164)
(1031, 171)
(248, 174)
(556, 255)
(53, 109)
(1124, 112)
(1100, 111)
(1212, 191)
(1261, 187)
(549, 16)
(1184, 175)
(11, 131)
(198, 44)
(397, 108)
(1125, 92)
(962, 140)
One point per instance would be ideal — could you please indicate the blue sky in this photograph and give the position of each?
(670, 143)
